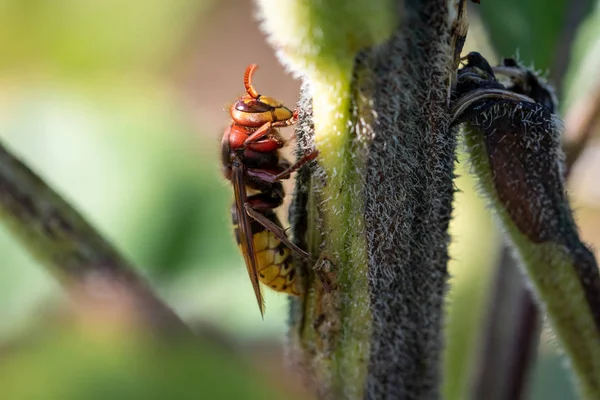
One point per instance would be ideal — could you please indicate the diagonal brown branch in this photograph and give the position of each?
(72, 249)
(580, 123)
(575, 13)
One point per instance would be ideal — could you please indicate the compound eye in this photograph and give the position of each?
(252, 106)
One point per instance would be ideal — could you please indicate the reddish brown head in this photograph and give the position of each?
(254, 110)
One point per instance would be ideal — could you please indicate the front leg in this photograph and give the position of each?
(268, 128)
(271, 177)
(262, 175)
(297, 165)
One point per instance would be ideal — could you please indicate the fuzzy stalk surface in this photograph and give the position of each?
(377, 204)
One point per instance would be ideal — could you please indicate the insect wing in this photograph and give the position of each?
(245, 227)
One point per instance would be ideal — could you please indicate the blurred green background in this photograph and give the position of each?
(120, 106)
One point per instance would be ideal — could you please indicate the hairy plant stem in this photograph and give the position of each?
(378, 205)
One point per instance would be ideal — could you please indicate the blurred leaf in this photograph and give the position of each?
(550, 379)
(530, 29)
(470, 271)
(68, 36)
(24, 288)
(186, 222)
(585, 60)
(142, 177)
(91, 364)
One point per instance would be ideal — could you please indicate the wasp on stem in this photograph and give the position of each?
(251, 161)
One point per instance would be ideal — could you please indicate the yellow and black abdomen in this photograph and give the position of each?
(273, 258)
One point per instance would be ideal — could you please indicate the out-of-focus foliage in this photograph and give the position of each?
(77, 37)
(585, 62)
(470, 270)
(470, 266)
(83, 364)
(531, 28)
(548, 378)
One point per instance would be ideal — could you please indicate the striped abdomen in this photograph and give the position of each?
(273, 258)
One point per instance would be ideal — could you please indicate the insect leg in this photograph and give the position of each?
(297, 165)
(259, 133)
(269, 176)
(278, 231)
(262, 175)
(321, 272)
(268, 128)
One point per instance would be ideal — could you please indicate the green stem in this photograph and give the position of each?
(343, 216)
(378, 201)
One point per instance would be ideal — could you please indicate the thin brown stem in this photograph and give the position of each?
(580, 123)
(576, 12)
(510, 336)
(73, 250)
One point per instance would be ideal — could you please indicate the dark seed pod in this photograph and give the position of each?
(514, 139)
(522, 144)
(527, 82)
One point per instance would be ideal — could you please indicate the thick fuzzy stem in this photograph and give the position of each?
(515, 153)
(376, 207)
